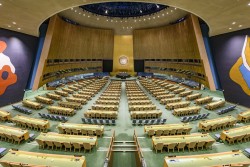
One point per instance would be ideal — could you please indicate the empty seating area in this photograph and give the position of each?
(67, 142)
(226, 110)
(5, 115)
(167, 129)
(45, 100)
(19, 158)
(13, 135)
(22, 109)
(236, 135)
(217, 123)
(31, 123)
(194, 117)
(190, 142)
(148, 121)
(215, 104)
(80, 129)
(244, 116)
(109, 108)
(54, 117)
(31, 104)
(99, 121)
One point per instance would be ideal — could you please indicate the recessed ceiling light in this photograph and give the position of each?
(83, 14)
(171, 10)
(248, 4)
(106, 11)
(88, 16)
(234, 22)
(230, 28)
(111, 20)
(144, 19)
(19, 28)
(107, 20)
(135, 20)
(127, 27)
(140, 11)
(167, 12)
(158, 16)
(75, 10)
(149, 18)
(123, 27)
(97, 18)
(131, 27)
(163, 14)
(175, 8)
(79, 12)
(9, 25)
(125, 20)
(0, 4)
(240, 25)
(71, 8)
(121, 21)
(153, 17)
(157, 6)
(139, 20)
(14, 22)
(116, 21)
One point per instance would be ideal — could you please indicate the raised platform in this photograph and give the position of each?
(119, 79)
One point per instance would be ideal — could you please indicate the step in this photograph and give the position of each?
(124, 145)
(124, 141)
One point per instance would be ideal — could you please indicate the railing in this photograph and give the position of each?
(108, 158)
(142, 161)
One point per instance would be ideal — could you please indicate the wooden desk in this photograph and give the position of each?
(108, 102)
(33, 121)
(61, 110)
(138, 98)
(185, 93)
(105, 107)
(4, 115)
(68, 90)
(140, 102)
(101, 114)
(211, 122)
(193, 96)
(141, 107)
(173, 88)
(21, 134)
(171, 106)
(79, 127)
(43, 160)
(109, 98)
(62, 93)
(167, 127)
(195, 137)
(87, 97)
(56, 137)
(54, 96)
(77, 100)
(165, 96)
(32, 104)
(73, 105)
(44, 100)
(177, 91)
(187, 110)
(170, 100)
(215, 104)
(145, 114)
(204, 100)
(235, 158)
(234, 132)
(73, 87)
(244, 116)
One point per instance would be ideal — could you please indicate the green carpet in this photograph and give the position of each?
(124, 131)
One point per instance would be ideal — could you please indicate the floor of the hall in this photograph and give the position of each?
(124, 131)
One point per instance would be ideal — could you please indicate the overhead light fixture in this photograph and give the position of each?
(175, 8)
(153, 17)
(139, 20)
(9, 25)
(84, 14)
(135, 20)
(79, 12)
(230, 28)
(14, 22)
(75, 10)
(140, 11)
(71, 8)
(163, 14)
(106, 11)
(19, 28)
(107, 20)
(0, 4)
(111, 20)
(88, 16)
(144, 19)
(149, 18)
(158, 16)
(131, 27)
(167, 12)
(240, 25)
(248, 4)
(233, 22)
(97, 18)
(157, 6)
(171, 10)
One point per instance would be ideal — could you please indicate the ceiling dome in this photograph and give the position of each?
(123, 9)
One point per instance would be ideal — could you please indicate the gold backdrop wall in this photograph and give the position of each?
(123, 46)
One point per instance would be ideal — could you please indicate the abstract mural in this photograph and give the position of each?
(7, 70)
(240, 71)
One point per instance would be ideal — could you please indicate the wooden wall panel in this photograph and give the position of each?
(173, 41)
(78, 42)
(72, 47)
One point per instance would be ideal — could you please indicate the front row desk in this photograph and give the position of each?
(24, 158)
(233, 158)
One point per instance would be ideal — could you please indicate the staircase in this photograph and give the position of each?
(124, 146)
